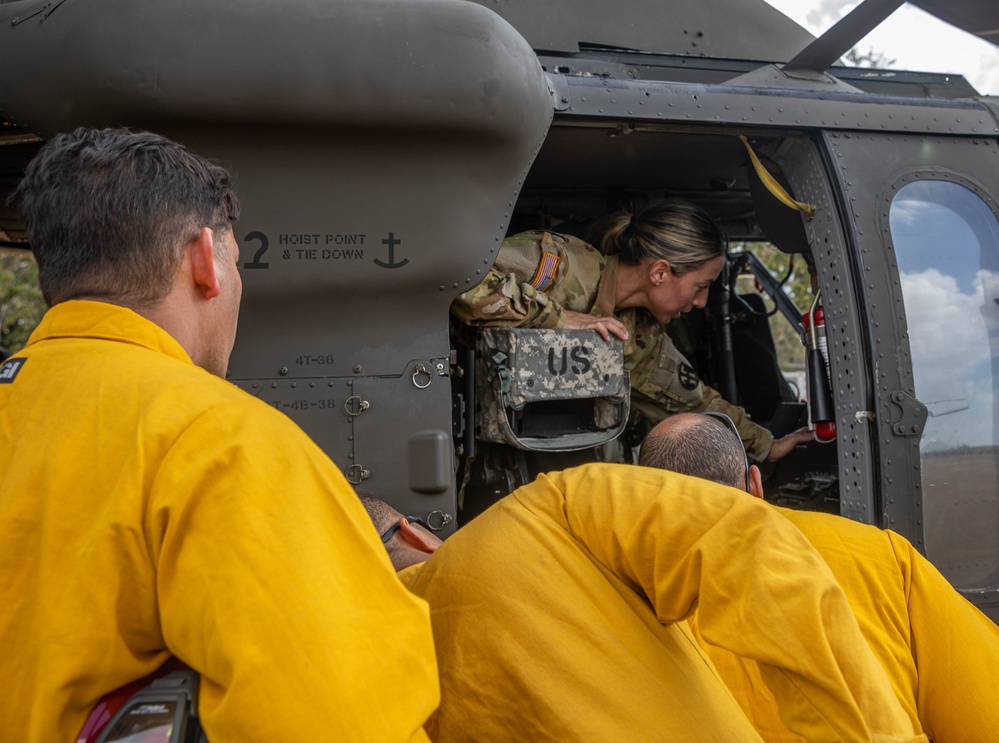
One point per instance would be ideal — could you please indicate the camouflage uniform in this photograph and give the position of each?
(662, 380)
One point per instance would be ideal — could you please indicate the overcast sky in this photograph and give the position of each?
(915, 39)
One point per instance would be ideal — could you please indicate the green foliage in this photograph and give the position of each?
(21, 303)
(870, 58)
(790, 352)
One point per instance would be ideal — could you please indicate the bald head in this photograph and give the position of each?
(696, 445)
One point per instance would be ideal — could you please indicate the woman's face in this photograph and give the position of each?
(678, 294)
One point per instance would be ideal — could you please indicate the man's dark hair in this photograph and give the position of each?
(699, 446)
(382, 515)
(109, 211)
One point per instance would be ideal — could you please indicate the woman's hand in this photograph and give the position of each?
(783, 446)
(605, 326)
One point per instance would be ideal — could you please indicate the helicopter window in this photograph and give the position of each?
(947, 246)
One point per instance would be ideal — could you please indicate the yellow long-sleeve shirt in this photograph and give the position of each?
(555, 617)
(148, 508)
(940, 651)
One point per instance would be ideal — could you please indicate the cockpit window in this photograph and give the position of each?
(947, 246)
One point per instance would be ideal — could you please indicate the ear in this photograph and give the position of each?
(755, 481)
(203, 263)
(659, 271)
(417, 538)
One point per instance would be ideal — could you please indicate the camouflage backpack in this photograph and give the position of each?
(549, 389)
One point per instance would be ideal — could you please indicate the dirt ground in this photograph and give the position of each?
(961, 515)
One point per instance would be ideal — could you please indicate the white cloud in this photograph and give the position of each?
(950, 337)
(824, 13)
(988, 73)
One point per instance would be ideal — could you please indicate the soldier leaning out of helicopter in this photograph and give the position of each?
(652, 266)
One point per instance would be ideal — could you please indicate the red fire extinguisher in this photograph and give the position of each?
(820, 405)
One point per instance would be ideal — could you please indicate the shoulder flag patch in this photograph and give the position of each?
(688, 377)
(9, 370)
(546, 271)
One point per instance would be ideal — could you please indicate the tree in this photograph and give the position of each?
(21, 302)
(870, 58)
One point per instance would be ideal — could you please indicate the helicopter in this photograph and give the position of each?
(382, 152)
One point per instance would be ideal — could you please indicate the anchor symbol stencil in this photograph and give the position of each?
(391, 241)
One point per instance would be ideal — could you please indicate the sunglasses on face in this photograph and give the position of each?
(412, 519)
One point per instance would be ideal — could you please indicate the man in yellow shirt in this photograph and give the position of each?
(150, 509)
(939, 650)
(557, 615)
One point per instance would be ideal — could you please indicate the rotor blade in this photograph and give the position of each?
(843, 36)
(978, 17)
